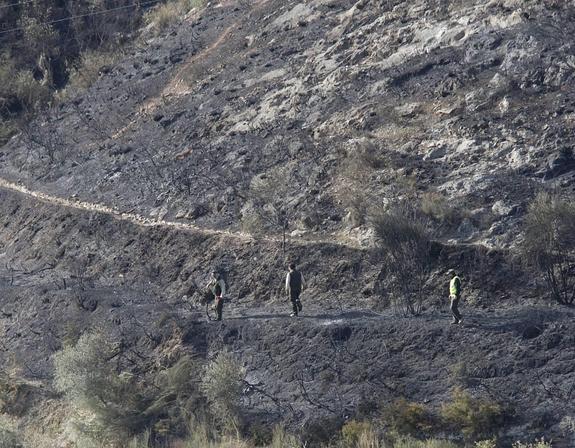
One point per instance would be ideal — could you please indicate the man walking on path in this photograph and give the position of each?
(218, 288)
(294, 285)
(454, 296)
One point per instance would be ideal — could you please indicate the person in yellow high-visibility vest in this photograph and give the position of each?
(454, 296)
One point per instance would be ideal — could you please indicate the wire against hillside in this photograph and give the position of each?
(67, 19)
(16, 4)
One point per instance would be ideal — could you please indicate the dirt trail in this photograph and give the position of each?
(141, 220)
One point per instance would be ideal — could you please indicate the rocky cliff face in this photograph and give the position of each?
(118, 202)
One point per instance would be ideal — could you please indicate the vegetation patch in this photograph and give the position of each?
(166, 14)
(408, 418)
(473, 417)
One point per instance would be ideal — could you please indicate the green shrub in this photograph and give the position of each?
(222, 385)
(405, 417)
(112, 407)
(472, 416)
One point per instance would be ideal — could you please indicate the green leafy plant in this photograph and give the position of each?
(472, 416)
(112, 407)
(405, 417)
(222, 385)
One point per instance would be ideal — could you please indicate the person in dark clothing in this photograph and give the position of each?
(294, 286)
(454, 296)
(218, 288)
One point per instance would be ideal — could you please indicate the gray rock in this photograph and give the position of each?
(560, 163)
(501, 209)
(295, 148)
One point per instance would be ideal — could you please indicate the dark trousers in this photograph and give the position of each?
(454, 307)
(219, 307)
(295, 302)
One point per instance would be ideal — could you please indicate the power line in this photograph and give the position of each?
(67, 19)
(16, 4)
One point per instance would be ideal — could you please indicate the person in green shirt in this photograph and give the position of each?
(454, 295)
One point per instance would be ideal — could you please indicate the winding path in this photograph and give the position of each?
(143, 221)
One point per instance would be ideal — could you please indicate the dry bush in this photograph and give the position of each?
(7, 75)
(9, 437)
(474, 417)
(549, 244)
(272, 201)
(359, 434)
(200, 436)
(282, 439)
(438, 208)
(141, 441)
(537, 444)
(410, 442)
(90, 67)
(404, 242)
(31, 94)
(491, 443)
(7, 130)
(223, 384)
(354, 175)
(15, 394)
(166, 14)
(407, 418)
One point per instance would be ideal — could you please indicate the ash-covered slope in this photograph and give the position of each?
(369, 99)
(343, 105)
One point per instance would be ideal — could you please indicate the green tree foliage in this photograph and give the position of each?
(474, 417)
(113, 406)
(408, 418)
(222, 385)
(549, 244)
